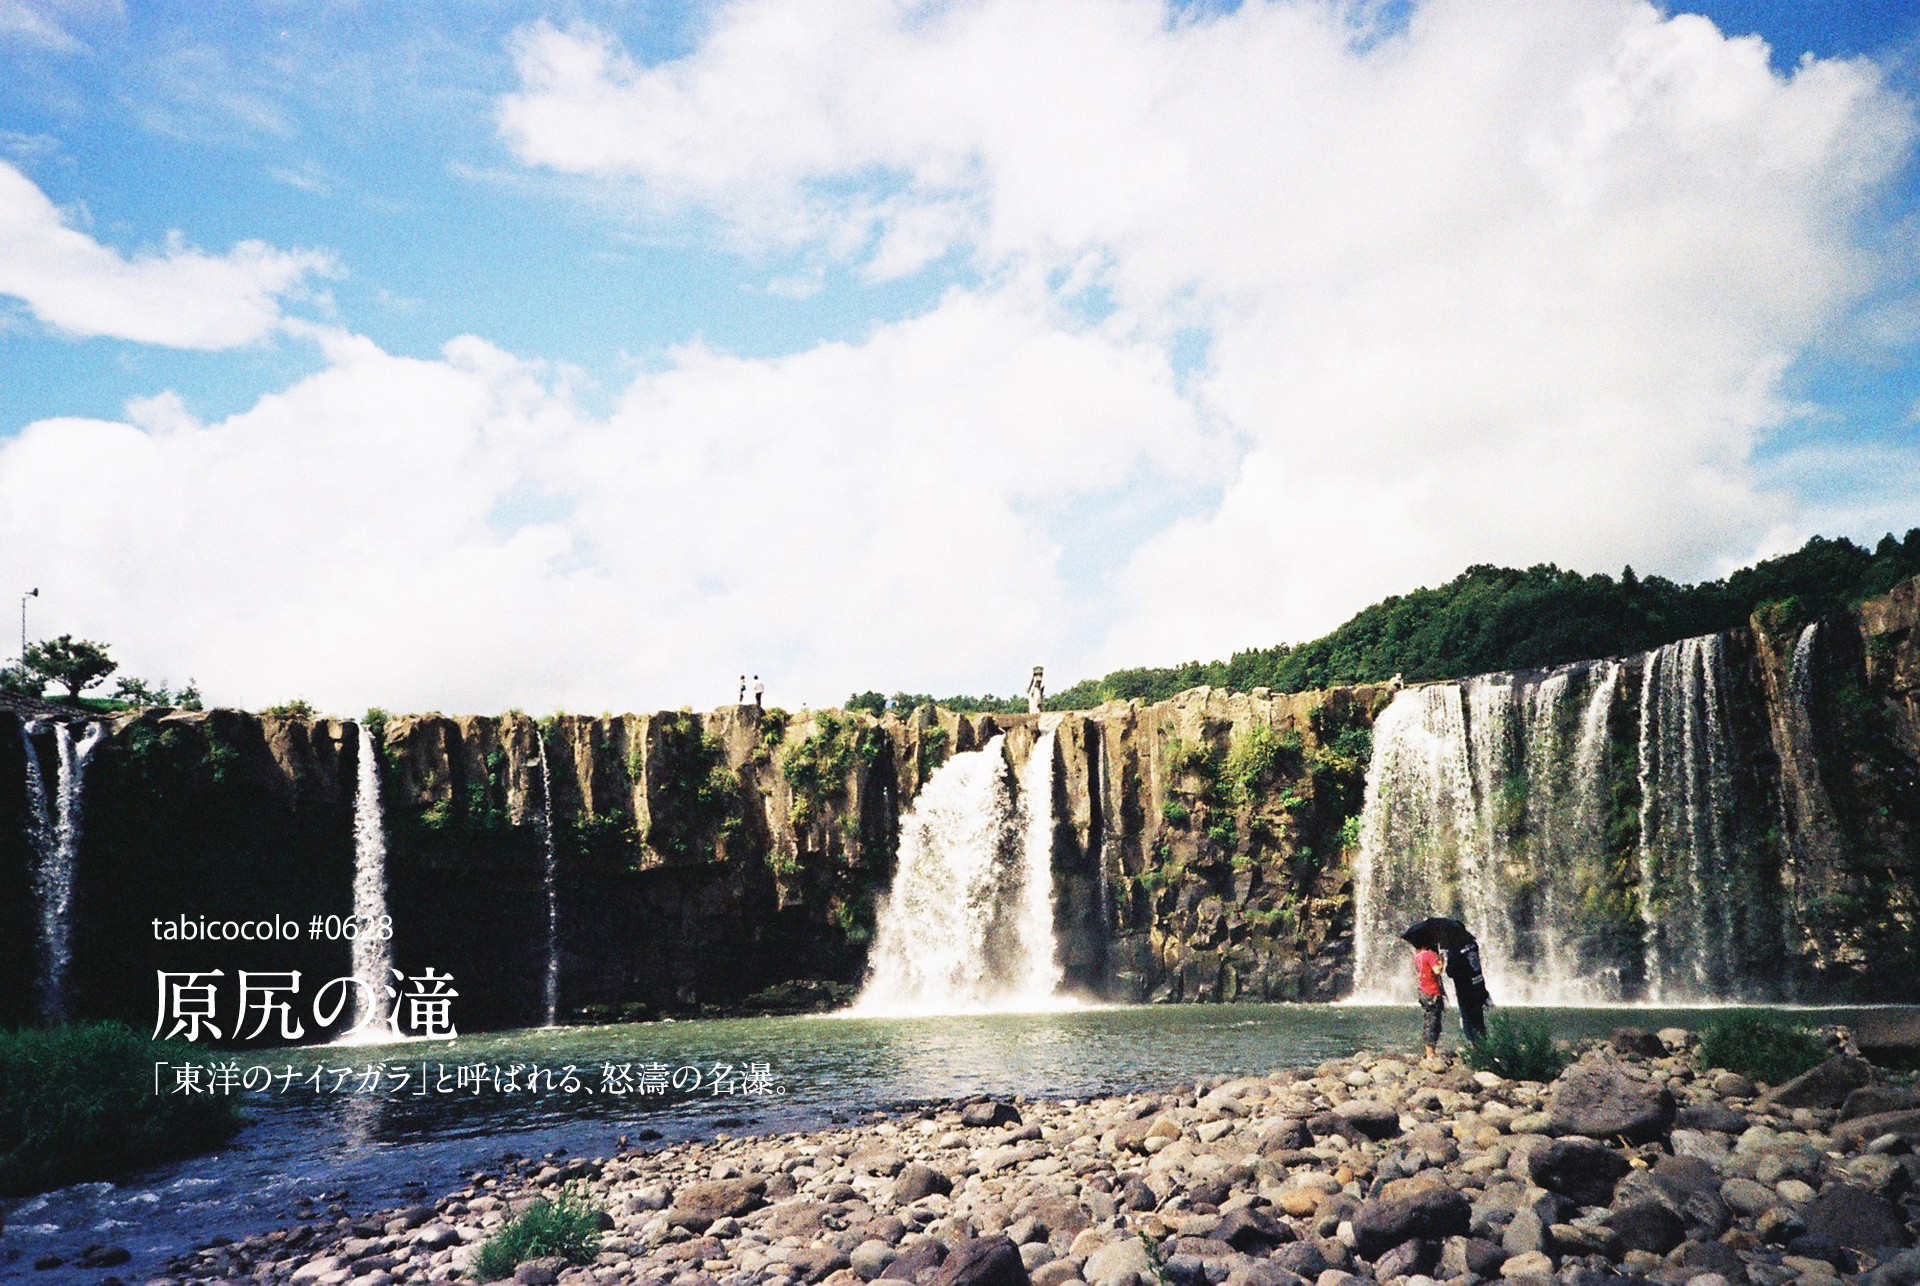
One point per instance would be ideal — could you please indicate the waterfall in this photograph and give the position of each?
(53, 831)
(1485, 801)
(1703, 910)
(1042, 974)
(549, 873)
(1418, 812)
(1800, 698)
(1684, 819)
(1816, 874)
(968, 924)
(372, 953)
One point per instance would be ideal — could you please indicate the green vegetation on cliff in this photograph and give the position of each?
(1502, 618)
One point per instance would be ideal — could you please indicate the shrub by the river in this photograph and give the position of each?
(1760, 1046)
(567, 1227)
(78, 1102)
(1518, 1048)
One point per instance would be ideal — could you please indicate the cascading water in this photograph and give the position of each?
(549, 875)
(1704, 918)
(372, 952)
(1036, 872)
(39, 828)
(54, 825)
(1483, 801)
(1816, 873)
(1498, 800)
(968, 924)
(1418, 802)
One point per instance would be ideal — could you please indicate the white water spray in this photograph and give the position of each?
(549, 876)
(1484, 801)
(1036, 873)
(968, 924)
(372, 953)
(54, 826)
(1703, 911)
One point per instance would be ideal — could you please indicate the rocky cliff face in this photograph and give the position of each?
(1204, 847)
(1843, 710)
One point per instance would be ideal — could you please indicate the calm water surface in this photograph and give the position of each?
(389, 1149)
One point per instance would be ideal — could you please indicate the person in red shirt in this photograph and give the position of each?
(1433, 1001)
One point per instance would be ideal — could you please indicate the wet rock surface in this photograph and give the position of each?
(1372, 1169)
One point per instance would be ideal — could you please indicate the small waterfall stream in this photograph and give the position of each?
(54, 824)
(968, 924)
(372, 953)
(549, 877)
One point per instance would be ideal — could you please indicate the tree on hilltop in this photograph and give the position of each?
(74, 664)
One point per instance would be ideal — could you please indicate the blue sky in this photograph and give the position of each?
(902, 346)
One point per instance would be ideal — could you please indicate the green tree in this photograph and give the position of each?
(74, 664)
(872, 702)
(19, 681)
(138, 692)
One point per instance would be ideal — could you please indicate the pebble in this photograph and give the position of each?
(1073, 1185)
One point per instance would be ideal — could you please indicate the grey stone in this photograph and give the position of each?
(699, 1204)
(1748, 1197)
(1432, 1211)
(916, 1181)
(1408, 1258)
(1871, 1100)
(1582, 1239)
(1524, 1234)
(981, 1115)
(1252, 1230)
(1824, 1086)
(1850, 1136)
(1734, 1085)
(1888, 1033)
(1302, 1257)
(1857, 1218)
(1711, 1115)
(817, 1262)
(1649, 1226)
(1470, 1256)
(916, 1259)
(983, 1261)
(1901, 1270)
(1598, 1099)
(1116, 1258)
(1578, 1169)
(1373, 1119)
(544, 1271)
(870, 1258)
(1638, 1043)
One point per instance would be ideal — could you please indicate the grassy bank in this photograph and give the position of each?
(77, 1103)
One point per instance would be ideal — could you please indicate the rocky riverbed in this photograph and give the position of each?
(1636, 1163)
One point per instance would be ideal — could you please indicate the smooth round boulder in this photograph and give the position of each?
(1596, 1098)
(1580, 1170)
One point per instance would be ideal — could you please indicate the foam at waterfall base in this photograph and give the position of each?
(967, 927)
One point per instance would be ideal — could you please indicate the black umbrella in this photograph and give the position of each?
(1438, 931)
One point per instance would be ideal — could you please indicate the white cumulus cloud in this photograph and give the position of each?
(458, 534)
(1513, 281)
(178, 297)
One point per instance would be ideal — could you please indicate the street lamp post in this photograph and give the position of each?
(32, 593)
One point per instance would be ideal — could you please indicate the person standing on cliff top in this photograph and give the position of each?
(759, 692)
(1433, 1001)
(743, 691)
